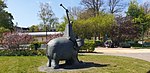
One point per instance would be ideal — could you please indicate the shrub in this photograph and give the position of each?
(88, 46)
(24, 52)
(136, 45)
(35, 45)
(14, 39)
(99, 43)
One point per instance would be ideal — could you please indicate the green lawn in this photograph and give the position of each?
(141, 47)
(30, 64)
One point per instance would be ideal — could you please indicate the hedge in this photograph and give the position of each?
(99, 43)
(24, 52)
(35, 45)
(89, 46)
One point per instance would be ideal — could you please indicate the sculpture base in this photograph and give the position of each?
(63, 67)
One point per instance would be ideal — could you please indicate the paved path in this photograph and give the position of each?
(143, 54)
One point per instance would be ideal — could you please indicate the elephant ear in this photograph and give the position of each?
(80, 42)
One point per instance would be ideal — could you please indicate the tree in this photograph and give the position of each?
(13, 40)
(5, 17)
(139, 17)
(61, 26)
(146, 7)
(134, 10)
(2, 30)
(116, 6)
(125, 30)
(75, 12)
(86, 14)
(94, 26)
(47, 16)
(94, 5)
(34, 28)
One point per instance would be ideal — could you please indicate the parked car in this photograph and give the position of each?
(124, 45)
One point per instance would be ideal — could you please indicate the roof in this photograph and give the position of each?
(41, 33)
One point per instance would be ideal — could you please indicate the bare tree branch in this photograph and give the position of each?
(146, 7)
(95, 5)
(116, 6)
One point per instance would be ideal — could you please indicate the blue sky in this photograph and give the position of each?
(25, 12)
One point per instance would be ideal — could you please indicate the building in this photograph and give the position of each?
(41, 36)
(21, 29)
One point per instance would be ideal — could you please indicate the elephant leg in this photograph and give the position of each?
(75, 58)
(69, 62)
(49, 61)
(55, 64)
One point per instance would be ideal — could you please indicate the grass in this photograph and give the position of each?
(30, 64)
(22, 64)
(141, 47)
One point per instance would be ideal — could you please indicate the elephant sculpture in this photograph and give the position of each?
(63, 49)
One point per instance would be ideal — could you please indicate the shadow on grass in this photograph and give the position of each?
(148, 71)
(63, 67)
(83, 65)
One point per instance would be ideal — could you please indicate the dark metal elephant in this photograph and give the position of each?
(63, 48)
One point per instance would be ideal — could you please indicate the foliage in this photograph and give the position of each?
(5, 17)
(2, 30)
(147, 22)
(35, 45)
(47, 16)
(101, 63)
(139, 16)
(124, 30)
(34, 28)
(99, 43)
(61, 26)
(13, 40)
(89, 46)
(134, 10)
(22, 52)
(93, 26)
(86, 14)
(136, 45)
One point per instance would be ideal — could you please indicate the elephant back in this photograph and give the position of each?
(62, 46)
(58, 41)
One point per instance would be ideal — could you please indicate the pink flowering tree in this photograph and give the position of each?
(50, 37)
(13, 40)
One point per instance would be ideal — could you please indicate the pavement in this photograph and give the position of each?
(143, 54)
